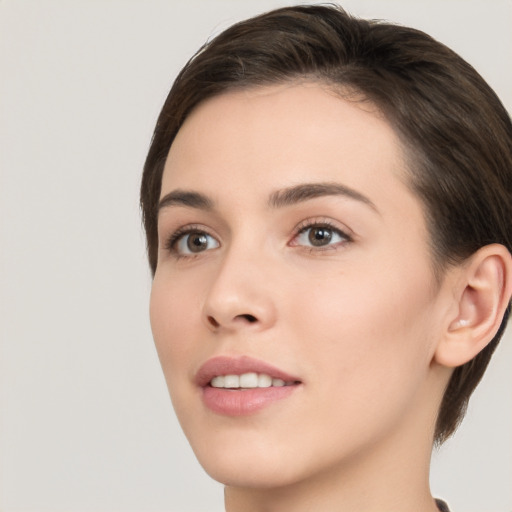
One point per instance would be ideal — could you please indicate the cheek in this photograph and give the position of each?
(367, 331)
(173, 316)
(367, 353)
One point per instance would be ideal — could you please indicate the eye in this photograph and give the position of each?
(192, 242)
(320, 235)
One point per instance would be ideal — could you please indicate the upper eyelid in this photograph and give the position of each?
(324, 221)
(170, 240)
(170, 222)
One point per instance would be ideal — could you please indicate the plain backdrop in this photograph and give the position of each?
(85, 421)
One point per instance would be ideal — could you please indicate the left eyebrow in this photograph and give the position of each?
(305, 191)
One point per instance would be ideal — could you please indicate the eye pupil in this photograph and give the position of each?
(320, 236)
(197, 242)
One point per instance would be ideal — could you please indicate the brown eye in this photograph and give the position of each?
(319, 236)
(197, 242)
(194, 242)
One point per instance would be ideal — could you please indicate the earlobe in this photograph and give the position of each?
(483, 294)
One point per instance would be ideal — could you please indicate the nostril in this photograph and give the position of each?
(250, 318)
(213, 322)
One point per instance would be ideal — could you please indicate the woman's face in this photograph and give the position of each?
(291, 249)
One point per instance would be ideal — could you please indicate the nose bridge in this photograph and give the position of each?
(239, 293)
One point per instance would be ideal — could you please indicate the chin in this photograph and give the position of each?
(248, 461)
(255, 474)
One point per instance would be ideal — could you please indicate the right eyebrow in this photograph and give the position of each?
(186, 198)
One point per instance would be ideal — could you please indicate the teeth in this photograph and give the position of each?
(264, 381)
(217, 382)
(231, 381)
(247, 381)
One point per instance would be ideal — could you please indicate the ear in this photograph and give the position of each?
(483, 293)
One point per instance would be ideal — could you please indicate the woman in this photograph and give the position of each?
(326, 203)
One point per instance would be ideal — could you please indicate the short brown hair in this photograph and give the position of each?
(456, 133)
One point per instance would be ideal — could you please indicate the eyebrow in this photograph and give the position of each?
(187, 198)
(278, 199)
(306, 191)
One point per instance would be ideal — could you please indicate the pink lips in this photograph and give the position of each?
(240, 402)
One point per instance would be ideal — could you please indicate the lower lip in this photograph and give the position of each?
(242, 402)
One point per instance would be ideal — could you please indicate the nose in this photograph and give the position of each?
(240, 295)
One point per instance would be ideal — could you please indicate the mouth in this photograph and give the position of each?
(250, 380)
(239, 386)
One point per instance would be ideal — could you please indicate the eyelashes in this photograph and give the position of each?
(319, 235)
(315, 235)
(190, 241)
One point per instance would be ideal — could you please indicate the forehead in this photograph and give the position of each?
(278, 136)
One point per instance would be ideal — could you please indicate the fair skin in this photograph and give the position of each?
(333, 285)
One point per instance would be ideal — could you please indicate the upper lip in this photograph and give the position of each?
(226, 365)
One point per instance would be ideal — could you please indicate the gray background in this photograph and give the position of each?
(85, 421)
